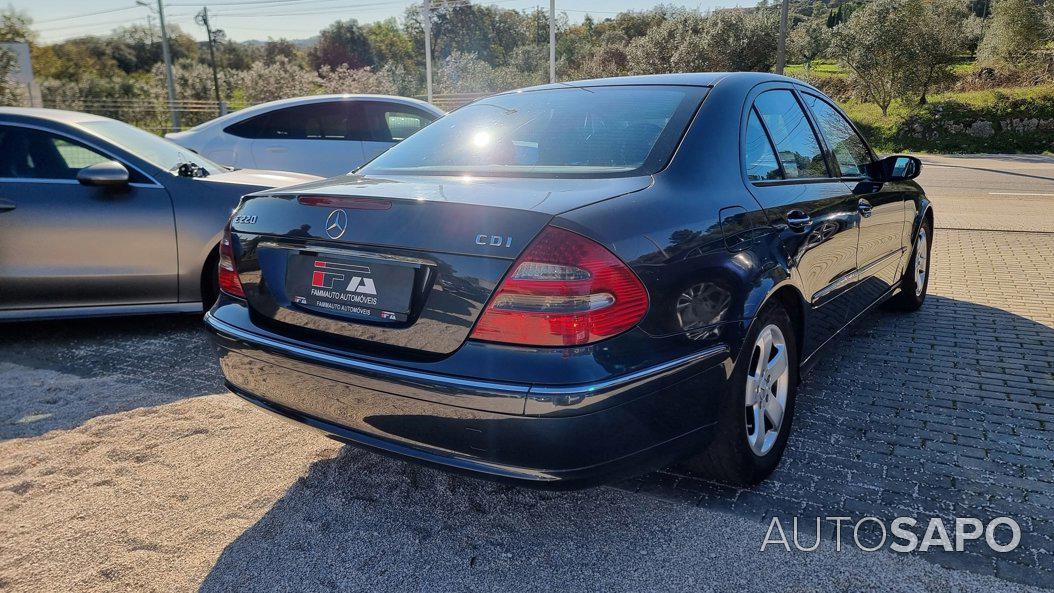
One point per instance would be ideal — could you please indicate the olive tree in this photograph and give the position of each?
(1017, 28)
(942, 36)
(880, 46)
(809, 41)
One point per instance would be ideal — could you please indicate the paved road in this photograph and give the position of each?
(1008, 192)
(109, 481)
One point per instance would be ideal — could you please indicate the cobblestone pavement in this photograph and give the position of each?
(946, 412)
(943, 413)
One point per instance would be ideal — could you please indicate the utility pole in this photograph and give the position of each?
(781, 49)
(203, 19)
(552, 40)
(150, 28)
(168, 62)
(426, 20)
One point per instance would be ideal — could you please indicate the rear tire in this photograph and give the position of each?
(916, 279)
(749, 439)
(210, 281)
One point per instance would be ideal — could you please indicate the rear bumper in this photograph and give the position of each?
(484, 428)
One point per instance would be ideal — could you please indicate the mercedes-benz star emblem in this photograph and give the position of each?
(336, 224)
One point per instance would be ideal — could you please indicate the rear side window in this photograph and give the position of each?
(249, 128)
(848, 147)
(799, 150)
(760, 158)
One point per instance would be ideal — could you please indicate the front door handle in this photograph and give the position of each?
(276, 149)
(6, 205)
(864, 207)
(798, 220)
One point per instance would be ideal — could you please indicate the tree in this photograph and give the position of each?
(1017, 28)
(724, 40)
(940, 38)
(390, 44)
(875, 46)
(15, 27)
(10, 93)
(343, 42)
(808, 41)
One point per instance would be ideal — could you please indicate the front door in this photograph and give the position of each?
(63, 244)
(816, 214)
(315, 138)
(881, 206)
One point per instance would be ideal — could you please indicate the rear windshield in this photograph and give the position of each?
(566, 132)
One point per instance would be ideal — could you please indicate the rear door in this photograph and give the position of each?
(315, 138)
(387, 124)
(63, 244)
(788, 173)
(881, 206)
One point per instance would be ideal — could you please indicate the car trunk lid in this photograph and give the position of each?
(399, 267)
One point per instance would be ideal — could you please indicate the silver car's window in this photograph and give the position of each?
(157, 151)
(27, 153)
(564, 132)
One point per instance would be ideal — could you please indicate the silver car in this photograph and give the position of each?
(98, 217)
(324, 135)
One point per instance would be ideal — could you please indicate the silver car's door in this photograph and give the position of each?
(387, 124)
(314, 138)
(63, 244)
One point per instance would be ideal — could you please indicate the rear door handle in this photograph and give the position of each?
(798, 220)
(276, 149)
(6, 205)
(864, 207)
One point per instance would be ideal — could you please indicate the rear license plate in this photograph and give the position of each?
(351, 287)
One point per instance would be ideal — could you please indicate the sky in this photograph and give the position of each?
(293, 19)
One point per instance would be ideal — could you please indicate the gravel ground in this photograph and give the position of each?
(209, 493)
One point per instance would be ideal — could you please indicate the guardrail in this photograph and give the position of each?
(153, 113)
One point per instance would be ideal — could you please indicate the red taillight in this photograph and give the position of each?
(229, 282)
(564, 290)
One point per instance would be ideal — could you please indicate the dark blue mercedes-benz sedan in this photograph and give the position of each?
(567, 283)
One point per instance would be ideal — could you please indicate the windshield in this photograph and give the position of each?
(152, 149)
(611, 131)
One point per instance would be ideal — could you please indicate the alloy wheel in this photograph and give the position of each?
(768, 381)
(921, 261)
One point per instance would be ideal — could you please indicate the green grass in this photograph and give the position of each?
(942, 125)
(819, 68)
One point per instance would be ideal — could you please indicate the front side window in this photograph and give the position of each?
(799, 150)
(602, 131)
(761, 161)
(26, 153)
(315, 121)
(848, 147)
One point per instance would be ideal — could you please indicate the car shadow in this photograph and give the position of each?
(59, 374)
(896, 420)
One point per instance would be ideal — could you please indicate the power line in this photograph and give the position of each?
(86, 14)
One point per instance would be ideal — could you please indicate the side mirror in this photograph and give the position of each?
(105, 174)
(898, 167)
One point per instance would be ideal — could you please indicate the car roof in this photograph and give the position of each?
(54, 115)
(686, 78)
(247, 112)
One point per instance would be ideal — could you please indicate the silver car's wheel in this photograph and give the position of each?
(768, 381)
(922, 253)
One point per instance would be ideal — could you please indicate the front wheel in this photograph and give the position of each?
(755, 415)
(916, 279)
